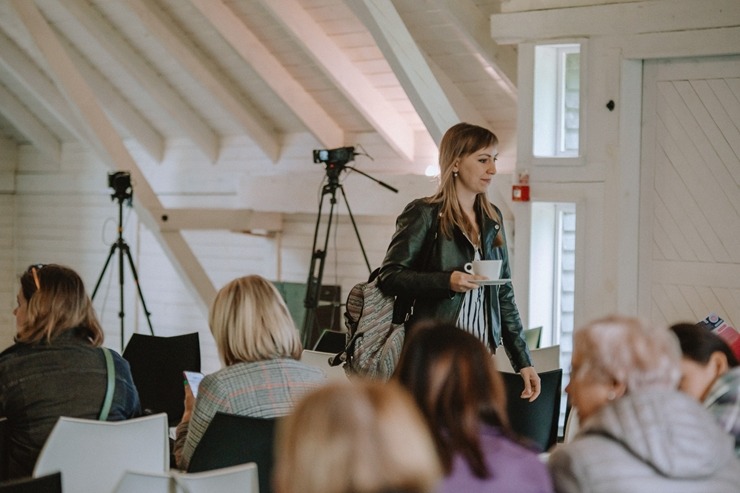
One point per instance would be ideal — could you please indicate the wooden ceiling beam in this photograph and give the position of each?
(269, 68)
(408, 63)
(345, 75)
(474, 26)
(162, 94)
(108, 144)
(35, 81)
(244, 113)
(30, 126)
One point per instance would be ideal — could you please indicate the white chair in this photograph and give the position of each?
(94, 455)
(543, 359)
(320, 359)
(235, 479)
(149, 482)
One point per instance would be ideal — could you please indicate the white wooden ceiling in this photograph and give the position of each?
(208, 70)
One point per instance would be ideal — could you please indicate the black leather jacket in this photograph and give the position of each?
(418, 266)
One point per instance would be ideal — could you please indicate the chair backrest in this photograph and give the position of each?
(538, 420)
(543, 359)
(321, 360)
(93, 455)
(533, 337)
(146, 482)
(231, 440)
(51, 483)
(234, 479)
(157, 364)
(331, 341)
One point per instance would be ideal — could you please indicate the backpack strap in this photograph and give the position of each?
(110, 385)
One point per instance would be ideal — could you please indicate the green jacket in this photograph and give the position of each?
(418, 265)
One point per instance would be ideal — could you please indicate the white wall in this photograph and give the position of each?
(64, 214)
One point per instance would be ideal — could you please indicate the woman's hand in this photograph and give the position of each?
(461, 282)
(189, 403)
(532, 386)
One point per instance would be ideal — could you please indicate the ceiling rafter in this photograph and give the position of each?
(245, 114)
(345, 75)
(119, 109)
(475, 27)
(160, 91)
(27, 123)
(104, 139)
(408, 63)
(251, 49)
(34, 80)
(38, 84)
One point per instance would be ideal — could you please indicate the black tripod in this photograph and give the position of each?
(123, 248)
(318, 257)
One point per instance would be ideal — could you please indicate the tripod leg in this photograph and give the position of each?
(316, 272)
(138, 286)
(102, 273)
(357, 231)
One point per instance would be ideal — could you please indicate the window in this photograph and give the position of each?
(552, 279)
(557, 95)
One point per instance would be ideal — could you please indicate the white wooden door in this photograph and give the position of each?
(689, 261)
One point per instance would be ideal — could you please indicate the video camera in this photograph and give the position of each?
(337, 157)
(120, 182)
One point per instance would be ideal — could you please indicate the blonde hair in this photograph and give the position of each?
(56, 301)
(458, 142)
(355, 437)
(250, 322)
(629, 351)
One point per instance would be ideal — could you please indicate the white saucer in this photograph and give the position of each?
(492, 282)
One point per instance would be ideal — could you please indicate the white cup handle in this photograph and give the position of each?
(468, 267)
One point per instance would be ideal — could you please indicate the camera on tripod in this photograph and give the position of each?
(120, 182)
(336, 157)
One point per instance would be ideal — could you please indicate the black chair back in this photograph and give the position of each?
(51, 483)
(230, 440)
(538, 420)
(157, 364)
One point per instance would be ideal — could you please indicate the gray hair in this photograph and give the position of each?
(629, 351)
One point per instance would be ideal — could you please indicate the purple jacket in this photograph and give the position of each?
(513, 468)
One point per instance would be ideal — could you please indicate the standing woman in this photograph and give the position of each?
(56, 366)
(436, 236)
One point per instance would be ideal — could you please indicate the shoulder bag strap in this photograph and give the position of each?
(110, 386)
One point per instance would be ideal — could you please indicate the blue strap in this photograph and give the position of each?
(110, 387)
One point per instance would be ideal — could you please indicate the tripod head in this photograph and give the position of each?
(120, 182)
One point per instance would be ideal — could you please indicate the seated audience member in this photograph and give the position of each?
(711, 375)
(454, 381)
(638, 432)
(56, 366)
(362, 436)
(260, 347)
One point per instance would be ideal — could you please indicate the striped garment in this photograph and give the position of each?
(472, 313)
(262, 389)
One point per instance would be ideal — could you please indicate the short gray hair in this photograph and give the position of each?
(629, 351)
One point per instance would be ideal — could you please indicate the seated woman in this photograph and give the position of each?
(56, 366)
(710, 374)
(260, 347)
(362, 436)
(454, 381)
(638, 432)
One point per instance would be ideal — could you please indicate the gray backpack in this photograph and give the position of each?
(374, 341)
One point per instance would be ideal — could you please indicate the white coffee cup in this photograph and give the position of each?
(487, 268)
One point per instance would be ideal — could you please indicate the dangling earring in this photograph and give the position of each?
(454, 174)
